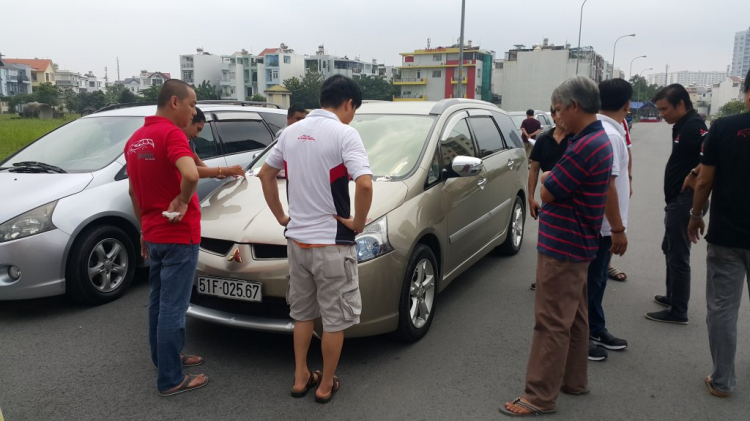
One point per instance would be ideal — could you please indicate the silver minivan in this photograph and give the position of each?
(66, 222)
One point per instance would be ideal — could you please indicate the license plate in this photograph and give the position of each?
(227, 288)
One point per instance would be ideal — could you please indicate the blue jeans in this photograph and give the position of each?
(726, 276)
(597, 282)
(171, 273)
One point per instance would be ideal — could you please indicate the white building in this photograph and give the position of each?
(240, 76)
(67, 79)
(15, 79)
(132, 83)
(277, 65)
(328, 65)
(150, 79)
(201, 67)
(741, 55)
(728, 90)
(687, 78)
(90, 83)
(527, 76)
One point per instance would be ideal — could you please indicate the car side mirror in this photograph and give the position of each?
(466, 166)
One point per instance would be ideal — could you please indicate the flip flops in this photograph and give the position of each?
(533, 410)
(311, 382)
(191, 360)
(334, 389)
(185, 386)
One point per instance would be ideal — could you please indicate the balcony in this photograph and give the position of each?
(454, 81)
(410, 81)
(410, 97)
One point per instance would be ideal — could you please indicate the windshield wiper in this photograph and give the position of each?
(35, 166)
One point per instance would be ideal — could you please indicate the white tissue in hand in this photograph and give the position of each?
(170, 215)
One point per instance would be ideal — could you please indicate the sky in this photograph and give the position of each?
(84, 35)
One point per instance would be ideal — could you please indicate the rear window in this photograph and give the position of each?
(243, 135)
(509, 130)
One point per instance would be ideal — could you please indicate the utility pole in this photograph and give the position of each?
(118, 68)
(580, 25)
(460, 87)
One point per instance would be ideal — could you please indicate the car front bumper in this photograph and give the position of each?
(380, 282)
(40, 259)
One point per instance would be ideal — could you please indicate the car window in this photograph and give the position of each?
(205, 145)
(84, 145)
(433, 175)
(458, 143)
(509, 130)
(275, 121)
(488, 136)
(543, 119)
(243, 135)
(518, 119)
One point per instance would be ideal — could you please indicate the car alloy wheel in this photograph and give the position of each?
(514, 238)
(107, 265)
(422, 292)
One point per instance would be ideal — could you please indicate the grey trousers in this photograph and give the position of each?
(727, 270)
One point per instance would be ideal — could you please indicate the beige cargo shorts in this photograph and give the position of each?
(324, 282)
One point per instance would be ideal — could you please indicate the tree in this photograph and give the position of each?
(376, 87)
(305, 92)
(72, 101)
(95, 100)
(733, 107)
(258, 97)
(151, 94)
(126, 97)
(47, 93)
(113, 92)
(206, 91)
(642, 91)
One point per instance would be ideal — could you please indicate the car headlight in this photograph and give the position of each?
(373, 241)
(35, 221)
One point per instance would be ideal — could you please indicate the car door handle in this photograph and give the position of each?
(511, 163)
(482, 182)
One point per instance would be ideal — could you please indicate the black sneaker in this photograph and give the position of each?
(596, 353)
(533, 287)
(609, 341)
(661, 299)
(665, 316)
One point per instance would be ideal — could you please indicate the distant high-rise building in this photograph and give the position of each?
(686, 78)
(741, 56)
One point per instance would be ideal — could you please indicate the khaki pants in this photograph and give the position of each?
(528, 147)
(559, 349)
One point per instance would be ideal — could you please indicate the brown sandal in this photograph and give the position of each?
(185, 386)
(334, 389)
(191, 360)
(311, 382)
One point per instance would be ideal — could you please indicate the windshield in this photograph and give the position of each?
(393, 142)
(518, 119)
(84, 145)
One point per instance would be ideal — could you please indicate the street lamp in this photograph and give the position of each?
(460, 88)
(631, 65)
(614, 50)
(580, 25)
(639, 85)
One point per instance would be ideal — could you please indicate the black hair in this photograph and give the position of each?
(338, 89)
(747, 82)
(551, 110)
(199, 117)
(675, 93)
(614, 94)
(296, 108)
(170, 88)
(529, 112)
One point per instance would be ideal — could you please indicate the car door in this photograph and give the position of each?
(465, 210)
(241, 135)
(499, 163)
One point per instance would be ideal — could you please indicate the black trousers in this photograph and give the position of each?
(676, 247)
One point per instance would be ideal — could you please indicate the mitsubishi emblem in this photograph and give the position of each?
(235, 256)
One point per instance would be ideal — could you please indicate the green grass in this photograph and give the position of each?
(16, 132)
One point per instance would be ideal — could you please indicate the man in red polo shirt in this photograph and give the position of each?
(163, 178)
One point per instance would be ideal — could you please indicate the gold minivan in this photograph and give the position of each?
(449, 187)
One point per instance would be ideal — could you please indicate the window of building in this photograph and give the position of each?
(274, 75)
(419, 74)
(437, 73)
(437, 57)
(287, 59)
(92, 84)
(33, 77)
(46, 75)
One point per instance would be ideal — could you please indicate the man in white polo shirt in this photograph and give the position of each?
(320, 154)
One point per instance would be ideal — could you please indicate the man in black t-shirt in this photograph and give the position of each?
(726, 153)
(688, 131)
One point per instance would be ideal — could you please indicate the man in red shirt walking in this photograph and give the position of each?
(163, 178)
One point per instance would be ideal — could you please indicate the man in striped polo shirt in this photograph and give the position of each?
(574, 195)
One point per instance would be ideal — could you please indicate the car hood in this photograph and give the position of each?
(23, 192)
(238, 212)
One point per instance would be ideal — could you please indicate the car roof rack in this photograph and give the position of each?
(237, 102)
(443, 104)
(117, 106)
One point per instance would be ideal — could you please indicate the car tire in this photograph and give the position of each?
(514, 239)
(101, 265)
(419, 294)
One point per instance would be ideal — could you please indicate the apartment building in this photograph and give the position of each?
(240, 76)
(15, 79)
(687, 78)
(69, 80)
(201, 67)
(329, 65)
(741, 54)
(278, 64)
(42, 70)
(729, 89)
(431, 74)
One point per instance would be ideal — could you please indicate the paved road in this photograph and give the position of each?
(60, 361)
